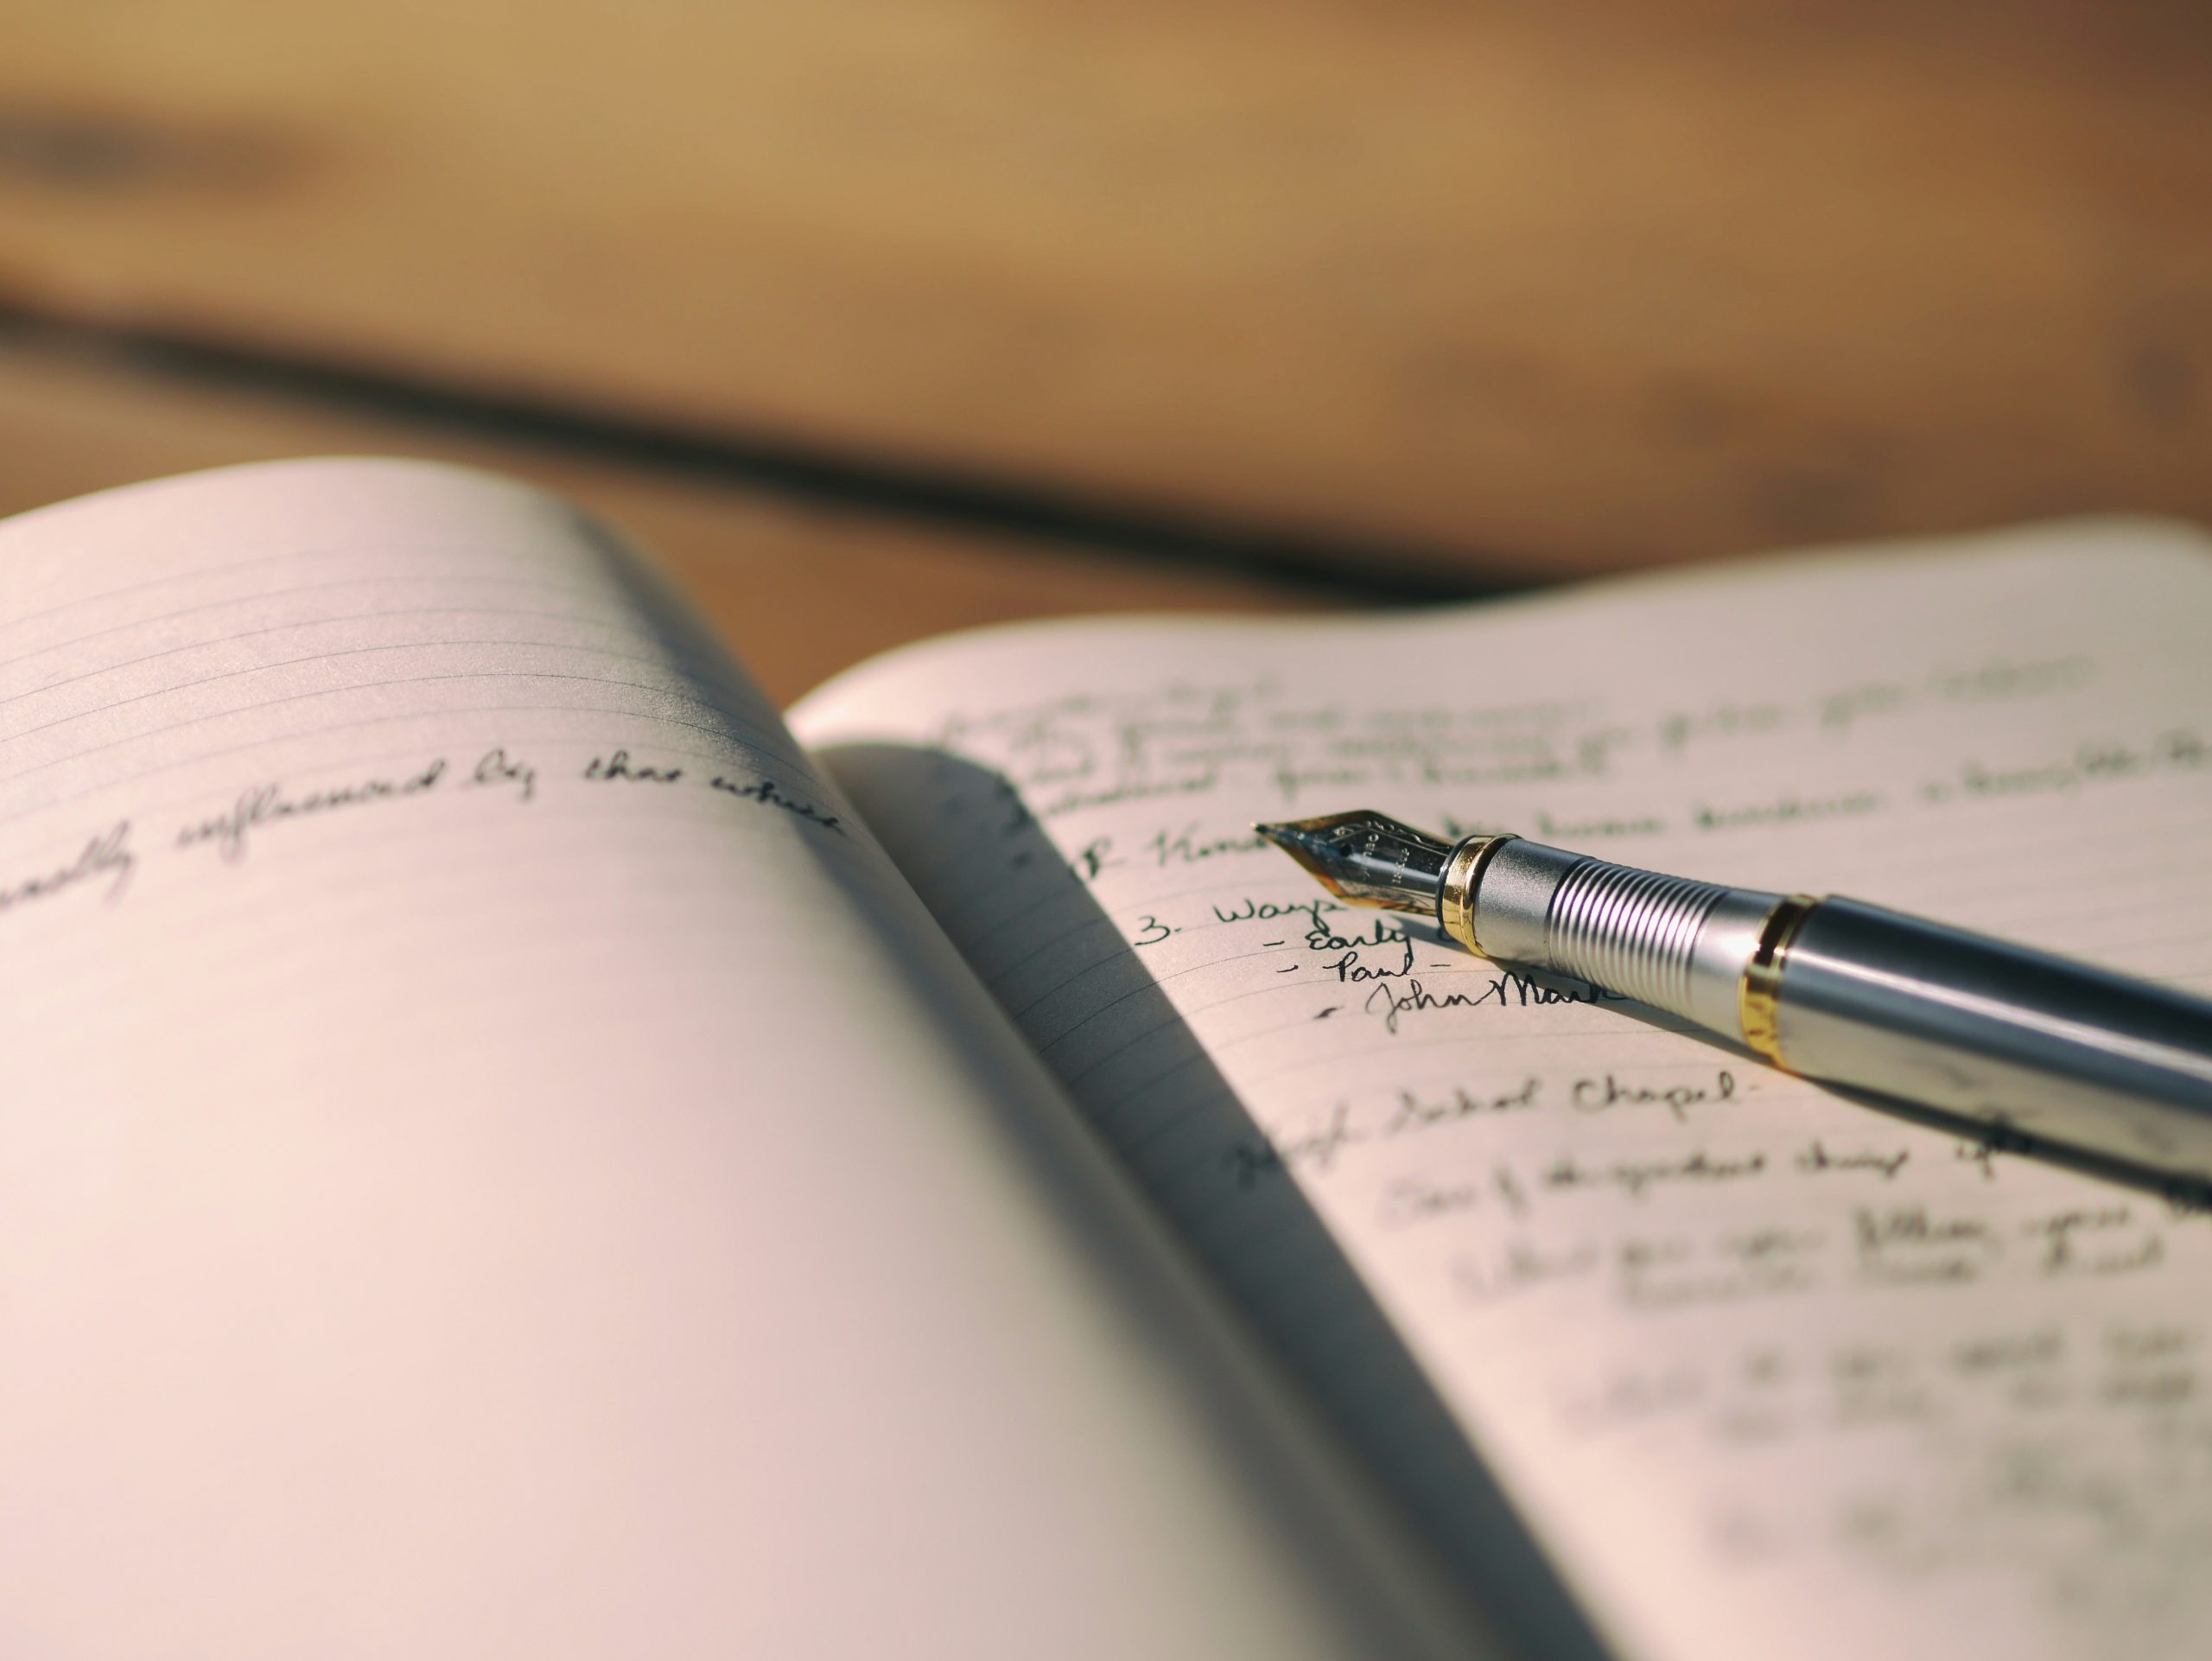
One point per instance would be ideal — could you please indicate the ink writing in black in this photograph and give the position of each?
(106, 854)
(266, 806)
(497, 768)
(1390, 1005)
(764, 792)
(619, 767)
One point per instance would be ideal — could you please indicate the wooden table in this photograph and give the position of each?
(954, 310)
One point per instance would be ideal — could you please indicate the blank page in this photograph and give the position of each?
(494, 1162)
(1765, 1372)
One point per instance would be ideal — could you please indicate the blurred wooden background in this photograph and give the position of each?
(945, 310)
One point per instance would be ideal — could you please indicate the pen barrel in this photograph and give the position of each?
(1996, 1033)
(1868, 999)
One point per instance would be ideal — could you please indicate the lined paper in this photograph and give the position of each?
(1765, 1372)
(493, 1160)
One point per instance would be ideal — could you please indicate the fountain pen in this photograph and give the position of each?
(1849, 994)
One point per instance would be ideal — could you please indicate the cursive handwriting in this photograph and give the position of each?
(1603, 1094)
(1389, 1005)
(267, 805)
(106, 854)
(608, 769)
(764, 791)
(496, 768)
(1417, 1112)
(1249, 1159)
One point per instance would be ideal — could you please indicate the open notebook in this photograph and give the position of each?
(503, 1151)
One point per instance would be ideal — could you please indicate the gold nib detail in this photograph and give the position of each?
(1366, 858)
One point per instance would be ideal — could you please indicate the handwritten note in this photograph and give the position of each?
(1768, 1372)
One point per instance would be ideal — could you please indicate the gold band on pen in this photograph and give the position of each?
(1463, 873)
(1758, 1010)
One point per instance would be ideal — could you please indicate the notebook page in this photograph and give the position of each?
(1765, 1372)
(492, 1160)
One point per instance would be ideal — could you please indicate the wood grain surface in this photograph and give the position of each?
(1525, 288)
(800, 592)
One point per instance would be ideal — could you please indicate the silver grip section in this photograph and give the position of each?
(1670, 942)
(1630, 931)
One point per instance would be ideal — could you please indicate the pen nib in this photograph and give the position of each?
(1366, 858)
